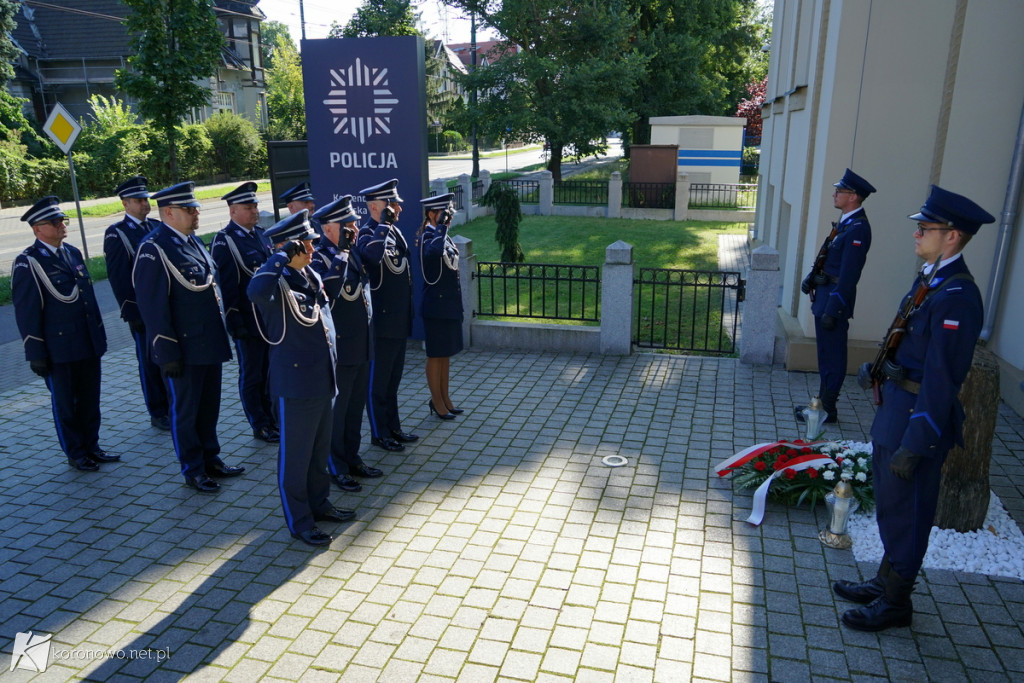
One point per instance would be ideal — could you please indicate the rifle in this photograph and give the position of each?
(819, 261)
(896, 332)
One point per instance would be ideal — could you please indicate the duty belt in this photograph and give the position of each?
(909, 386)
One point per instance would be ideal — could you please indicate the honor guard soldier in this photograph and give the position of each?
(832, 286)
(920, 416)
(300, 198)
(176, 286)
(300, 331)
(441, 303)
(239, 250)
(62, 332)
(348, 288)
(120, 243)
(385, 255)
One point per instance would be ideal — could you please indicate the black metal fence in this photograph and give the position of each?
(458, 201)
(723, 196)
(528, 190)
(538, 290)
(478, 190)
(587, 192)
(649, 195)
(688, 310)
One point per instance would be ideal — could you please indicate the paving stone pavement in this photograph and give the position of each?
(498, 547)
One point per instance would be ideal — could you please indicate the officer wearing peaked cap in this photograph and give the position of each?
(920, 416)
(300, 198)
(62, 331)
(348, 287)
(179, 299)
(385, 255)
(833, 287)
(300, 331)
(239, 250)
(120, 244)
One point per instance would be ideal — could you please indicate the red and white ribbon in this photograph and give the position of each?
(796, 464)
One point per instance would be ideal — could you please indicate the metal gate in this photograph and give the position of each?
(688, 310)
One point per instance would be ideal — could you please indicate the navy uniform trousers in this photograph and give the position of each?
(238, 254)
(120, 244)
(385, 256)
(176, 286)
(59, 322)
(348, 289)
(302, 356)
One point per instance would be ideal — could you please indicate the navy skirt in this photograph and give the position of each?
(444, 337)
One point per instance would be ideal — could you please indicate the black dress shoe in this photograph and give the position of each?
(268, 434)
(202, 483)
(387, 444)
(442, 416)
(364, 471)
(103, 456)
(86, 464)
(333, 514)
(345, 483)
(403, 437)
(219, 469)
(163, 423)
(314, 537)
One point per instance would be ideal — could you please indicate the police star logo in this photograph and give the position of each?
(360, 101)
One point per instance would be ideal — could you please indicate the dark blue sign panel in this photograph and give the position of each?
(366, 123)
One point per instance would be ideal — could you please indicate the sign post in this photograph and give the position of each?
(62, 128)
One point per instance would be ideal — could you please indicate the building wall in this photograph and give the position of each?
(907, 94)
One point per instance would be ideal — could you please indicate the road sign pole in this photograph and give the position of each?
(78, 207)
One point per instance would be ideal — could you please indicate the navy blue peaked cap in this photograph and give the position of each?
(338, 211)
(243, 194)
(182, 194)
(955, 210)
(853, 182)
(437, 203)
(46, 209)
(386, 192)
(134, 187)
(293, 227)
(299, 193)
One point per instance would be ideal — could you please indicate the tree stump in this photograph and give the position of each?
(964, 492)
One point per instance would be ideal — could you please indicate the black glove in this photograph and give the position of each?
(807, 286)
(388, 215)
(292, 249)
(864, 380)
(136, 326)
(347, 239)
(240, 332)
(40, 367)
(903, 463)
(175, 369)
(828, 323)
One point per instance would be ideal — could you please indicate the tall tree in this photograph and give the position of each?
(176, 43)
(379, 18)
(571, 80)
(274, 36)
(8, 53)
(285, 96)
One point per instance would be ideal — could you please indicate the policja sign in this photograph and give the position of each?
(366, 119)
(62, 128)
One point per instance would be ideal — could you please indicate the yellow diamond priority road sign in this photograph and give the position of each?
(62, 128)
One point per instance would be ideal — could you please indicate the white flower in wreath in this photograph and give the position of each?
(846, 475)
(861, 476)
(862, 462)
(828, 475)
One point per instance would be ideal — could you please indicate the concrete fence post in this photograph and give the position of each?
(485, 178)
(682, 196)
(466, 183)
(547, 193)
(757, 342)
(615, 195)
(468, 283)
(617, 299)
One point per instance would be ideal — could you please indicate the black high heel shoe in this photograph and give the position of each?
(445, 416)
(456, 411)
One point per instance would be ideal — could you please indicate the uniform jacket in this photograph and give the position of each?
(180, 300)
(442, 292)
(844, 263)
(936, 351)
(348, 289)
(120, 244)
(294, 308)
(385, 256)
(55, 306)
(239, 253)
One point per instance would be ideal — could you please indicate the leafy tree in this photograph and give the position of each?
(750, 107)
(569, 85)
(237, 145)
(175, 44)
(285, 96)
(274, 36)
(441, 103)
(8, 53)
(379, 18)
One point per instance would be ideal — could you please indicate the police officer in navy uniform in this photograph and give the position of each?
(120, 243)
(301, 335)
(62, 332)
(300, 198)
(441, 303)
(239, 250)
(920, 417)
(833, 291)
(385, 255)
(176, 286)
(348, 288)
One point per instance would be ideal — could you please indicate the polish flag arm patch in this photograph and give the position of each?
(951, 324)
(856, 243)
